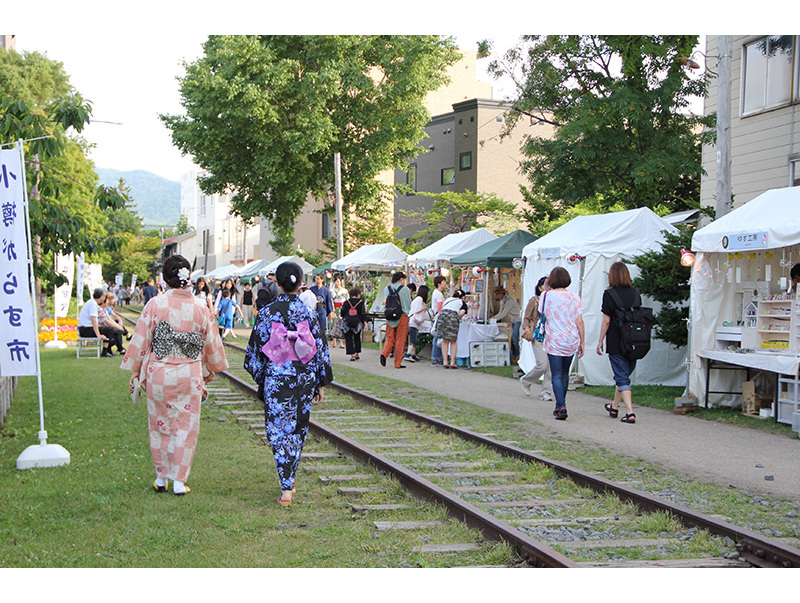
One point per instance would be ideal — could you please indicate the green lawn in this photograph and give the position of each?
(101, 510)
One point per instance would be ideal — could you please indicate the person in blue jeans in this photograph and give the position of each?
(619, 280)
(564, 334)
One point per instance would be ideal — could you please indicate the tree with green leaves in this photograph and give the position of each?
(266, 114)
(664, 279)
(39, 106)
(623, 135)
(454, 212)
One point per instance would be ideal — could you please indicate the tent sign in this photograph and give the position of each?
(745, 241)
(549, 253)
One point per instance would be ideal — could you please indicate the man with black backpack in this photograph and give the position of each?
(626, 330)
(397, 311)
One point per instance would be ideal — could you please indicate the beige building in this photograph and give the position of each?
(765, 117)
(312, 226)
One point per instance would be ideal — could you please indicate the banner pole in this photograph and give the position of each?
(43, 454)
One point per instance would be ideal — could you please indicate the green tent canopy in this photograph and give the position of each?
(498, 253)
(323, 268)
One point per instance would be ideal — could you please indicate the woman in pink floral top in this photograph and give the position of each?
(564, 333)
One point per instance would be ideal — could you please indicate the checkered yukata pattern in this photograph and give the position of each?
(174, 385)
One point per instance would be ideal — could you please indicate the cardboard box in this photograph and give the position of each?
(749, 397)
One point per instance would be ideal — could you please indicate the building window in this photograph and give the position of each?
(794, 172)
(767, 73)
(465, 161)
(411, 178)
(448, 176)
(202, 211)
(326, 226)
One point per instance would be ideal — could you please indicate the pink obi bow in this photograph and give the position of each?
(286, 345)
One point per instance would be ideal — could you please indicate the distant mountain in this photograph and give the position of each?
(157, 200)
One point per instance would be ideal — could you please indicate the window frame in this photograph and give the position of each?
(794, 90)
(461, 157)
(412, 167)
(452, 178)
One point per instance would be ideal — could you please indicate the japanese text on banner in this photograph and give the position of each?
(18, 339)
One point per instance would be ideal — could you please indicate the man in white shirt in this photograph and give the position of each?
(439, 285)
(88, 323)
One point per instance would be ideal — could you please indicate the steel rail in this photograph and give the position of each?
(754, 547)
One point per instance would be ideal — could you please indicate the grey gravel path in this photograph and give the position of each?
(712, 452)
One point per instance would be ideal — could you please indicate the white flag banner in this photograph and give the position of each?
(65, 265)
(80, 270)
(133, 283)
(118, 282)
(94, 277)
(18, 337)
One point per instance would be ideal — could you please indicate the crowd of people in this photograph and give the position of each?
(176, 348)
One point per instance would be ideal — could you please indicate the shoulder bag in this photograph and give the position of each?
(540, 330)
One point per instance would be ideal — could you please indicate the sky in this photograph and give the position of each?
(125, 59)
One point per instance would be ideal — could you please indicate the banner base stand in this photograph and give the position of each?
(56, 343)
(43, 455)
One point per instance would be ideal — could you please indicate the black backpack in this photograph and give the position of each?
(393, 309)
(635, 323)
(351, 319)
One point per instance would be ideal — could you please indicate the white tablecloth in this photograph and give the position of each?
(785, 364)
(470, 331)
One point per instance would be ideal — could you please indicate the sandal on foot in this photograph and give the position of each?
(286, 502)
(158, 488)
(629, 418)
(612, 412)
(188, 489)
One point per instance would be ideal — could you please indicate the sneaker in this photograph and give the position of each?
(546, 397)
(409, 358)
(560, 414)
(526, 389)
(436, 363)
(415, 358)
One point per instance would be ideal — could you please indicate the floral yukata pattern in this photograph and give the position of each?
(288, 388)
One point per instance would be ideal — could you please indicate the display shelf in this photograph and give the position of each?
(776, 322)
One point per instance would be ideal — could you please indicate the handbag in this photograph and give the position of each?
(540, 330)
(137, 390)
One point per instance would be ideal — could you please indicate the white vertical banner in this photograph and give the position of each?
(18, 338)
(65, 265)
(80, 275)
(133, 283)
(118, 281)
(94, 277)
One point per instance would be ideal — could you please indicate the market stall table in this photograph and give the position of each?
(473, 331)
(784, 365)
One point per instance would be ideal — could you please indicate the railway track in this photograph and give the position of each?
(548, 512)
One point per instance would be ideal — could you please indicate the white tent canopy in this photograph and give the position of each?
(770, 221)
(747, 250)
(271, 266)
(587, 246)
(451, 246)
(381, 257)
(223, 272)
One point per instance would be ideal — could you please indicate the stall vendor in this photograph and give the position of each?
(794, 274)
(509, 312)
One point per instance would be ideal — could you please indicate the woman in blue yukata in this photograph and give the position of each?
(289, 360)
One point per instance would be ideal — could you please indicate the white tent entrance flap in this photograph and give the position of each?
(587, 246)
(742, 260)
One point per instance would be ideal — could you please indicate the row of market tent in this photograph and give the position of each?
(587, 246)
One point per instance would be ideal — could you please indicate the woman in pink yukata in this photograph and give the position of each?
(175, 349)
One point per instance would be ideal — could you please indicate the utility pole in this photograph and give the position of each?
(723, 204)
(337, 171)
